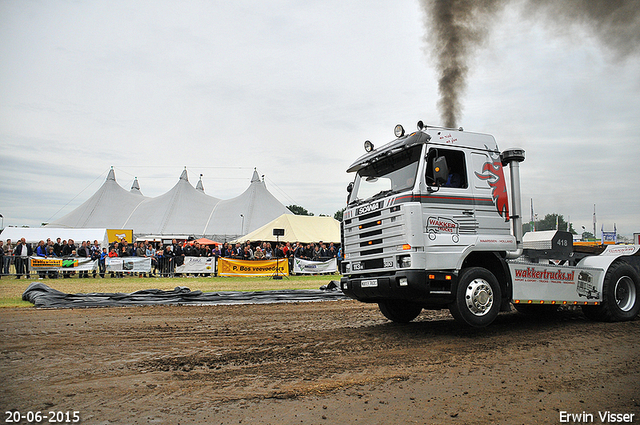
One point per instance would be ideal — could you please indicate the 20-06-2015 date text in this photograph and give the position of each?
(49, 416)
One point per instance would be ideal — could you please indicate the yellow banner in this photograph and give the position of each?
(231, 267)
(45, 263)
(115, 235)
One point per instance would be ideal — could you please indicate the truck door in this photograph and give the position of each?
(449, 206)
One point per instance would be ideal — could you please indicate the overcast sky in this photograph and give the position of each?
(294, 88)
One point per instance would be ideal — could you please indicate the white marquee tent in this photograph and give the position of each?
(109, 207)
(181, 212)
(245, 213)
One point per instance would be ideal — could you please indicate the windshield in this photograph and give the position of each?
(394, 173)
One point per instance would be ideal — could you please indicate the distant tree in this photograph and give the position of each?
(549, 223)
(586, 236)
(338, 215)
(298, 210)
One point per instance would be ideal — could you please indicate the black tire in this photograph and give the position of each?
(478, 297)
(399, 311)
(620, 293)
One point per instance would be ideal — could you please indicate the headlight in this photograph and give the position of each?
(368, 146)
(398, 130)
(404, 261)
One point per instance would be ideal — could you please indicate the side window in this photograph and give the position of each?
(446, 168)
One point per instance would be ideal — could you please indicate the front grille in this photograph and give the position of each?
(377, 234)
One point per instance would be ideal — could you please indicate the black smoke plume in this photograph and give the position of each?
(457, 28)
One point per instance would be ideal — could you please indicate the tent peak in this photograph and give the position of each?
(256, 177)
(135, 184)
(135, 187)
(184, 176)
(200, 186)
(111, 175)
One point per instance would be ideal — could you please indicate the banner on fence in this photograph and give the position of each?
(128, 264)
(231, 267)
(197, 265)
(116, 235)
(314, 267)
(48, 264)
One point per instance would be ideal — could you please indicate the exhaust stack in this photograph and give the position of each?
(513, 158)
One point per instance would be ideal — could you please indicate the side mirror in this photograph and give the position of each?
(440, 170)
(350, 187)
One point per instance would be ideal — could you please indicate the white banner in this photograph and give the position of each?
(128, 264)
(314, 267)
(197, 265)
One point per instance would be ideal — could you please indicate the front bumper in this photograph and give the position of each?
(411, 285)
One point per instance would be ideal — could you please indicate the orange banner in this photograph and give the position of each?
(231, 267)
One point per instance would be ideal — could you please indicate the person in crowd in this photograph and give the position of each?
(259, 254)
(113, 253)
(125, 249)
(52, 274)
(247, 253)
(141, 252)
(169, 260)
(95, 255)
(1, 258)
(316, 254)
(41, 251)
(151, 253)
(324, 252)
(22, 252)
(8, 256)
(84, 252)
(57, 247)
(332, 252)
(102, 265)
(68, 248)
(178, 254)
(187, 249)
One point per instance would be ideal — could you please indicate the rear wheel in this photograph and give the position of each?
(478, 297)
(620, 293)
(399, 311)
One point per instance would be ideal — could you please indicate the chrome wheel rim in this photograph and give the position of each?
(479, 297)
(625, 293)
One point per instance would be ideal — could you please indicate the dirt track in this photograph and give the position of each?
(329, 362)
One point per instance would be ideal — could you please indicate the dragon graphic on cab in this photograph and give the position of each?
(492, 173)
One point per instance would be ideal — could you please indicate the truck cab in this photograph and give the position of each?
(428, 225)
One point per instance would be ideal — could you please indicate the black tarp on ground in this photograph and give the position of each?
(43, 296)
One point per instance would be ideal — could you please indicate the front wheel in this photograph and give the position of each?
(399, 311)
(478, 296)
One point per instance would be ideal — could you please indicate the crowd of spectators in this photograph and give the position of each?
(164, 257)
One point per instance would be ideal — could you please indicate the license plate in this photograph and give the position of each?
(369, 283)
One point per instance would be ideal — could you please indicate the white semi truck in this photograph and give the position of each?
(428, 226)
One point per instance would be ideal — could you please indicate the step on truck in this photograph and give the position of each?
(428, 226)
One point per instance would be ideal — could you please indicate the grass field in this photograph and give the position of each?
(11, 289)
